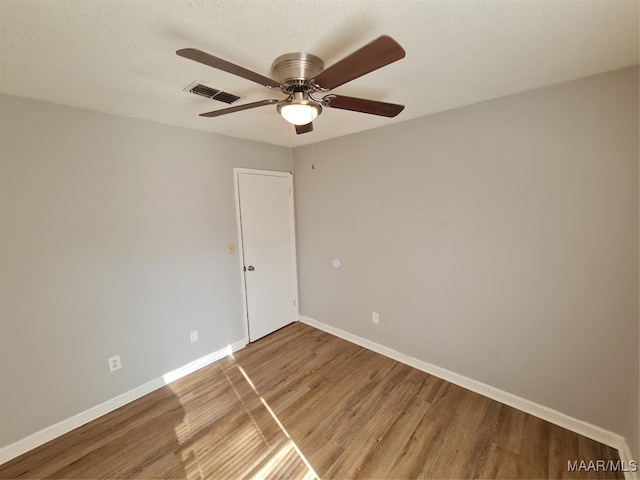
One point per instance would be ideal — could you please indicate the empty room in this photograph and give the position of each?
(319, 239)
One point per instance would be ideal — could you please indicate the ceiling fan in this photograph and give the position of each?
(300, 75)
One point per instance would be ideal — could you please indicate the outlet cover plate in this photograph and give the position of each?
(115, 363)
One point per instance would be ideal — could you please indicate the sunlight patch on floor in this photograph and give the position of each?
(245, 440)
(278, 422)
(293, 444)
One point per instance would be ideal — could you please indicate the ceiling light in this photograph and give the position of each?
(298, 114)
(298, 109)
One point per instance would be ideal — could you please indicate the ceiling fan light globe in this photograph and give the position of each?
(299, 114)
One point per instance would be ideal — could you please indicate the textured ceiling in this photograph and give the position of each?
(118, 56)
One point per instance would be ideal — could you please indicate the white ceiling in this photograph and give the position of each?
(118, 56)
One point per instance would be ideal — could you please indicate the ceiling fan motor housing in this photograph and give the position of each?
(296, 69)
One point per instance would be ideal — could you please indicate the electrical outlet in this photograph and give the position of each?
(193, 336)
(232, 248)
(115, 363)
(375, 317)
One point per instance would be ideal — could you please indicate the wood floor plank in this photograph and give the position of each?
(411, 461)
(459, 414)
(534, 456)
(302, 403)
(509, 435)
(501, 463)
(563, 447)
(367, 426)
(392, 444)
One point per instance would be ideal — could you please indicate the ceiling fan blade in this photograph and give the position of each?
(215, 62)
(363, 105)
(382, 51)
(239, 108)
(304, 128)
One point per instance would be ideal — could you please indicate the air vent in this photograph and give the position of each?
(209, 92)
(226, 97)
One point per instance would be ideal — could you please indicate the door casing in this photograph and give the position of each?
(236, 172)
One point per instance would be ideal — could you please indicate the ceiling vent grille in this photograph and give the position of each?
(213, 93)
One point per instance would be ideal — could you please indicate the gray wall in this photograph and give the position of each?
(114, 241)
(499, 241)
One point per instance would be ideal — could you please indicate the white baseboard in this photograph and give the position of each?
(49, 433)
(578, 426)
(627, 458)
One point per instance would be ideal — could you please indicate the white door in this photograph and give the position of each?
(267, 249)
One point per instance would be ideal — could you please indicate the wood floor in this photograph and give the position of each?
(301, 403)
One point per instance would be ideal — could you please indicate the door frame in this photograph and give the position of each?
(236, 190)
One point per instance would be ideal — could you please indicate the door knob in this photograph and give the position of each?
(251, 268)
